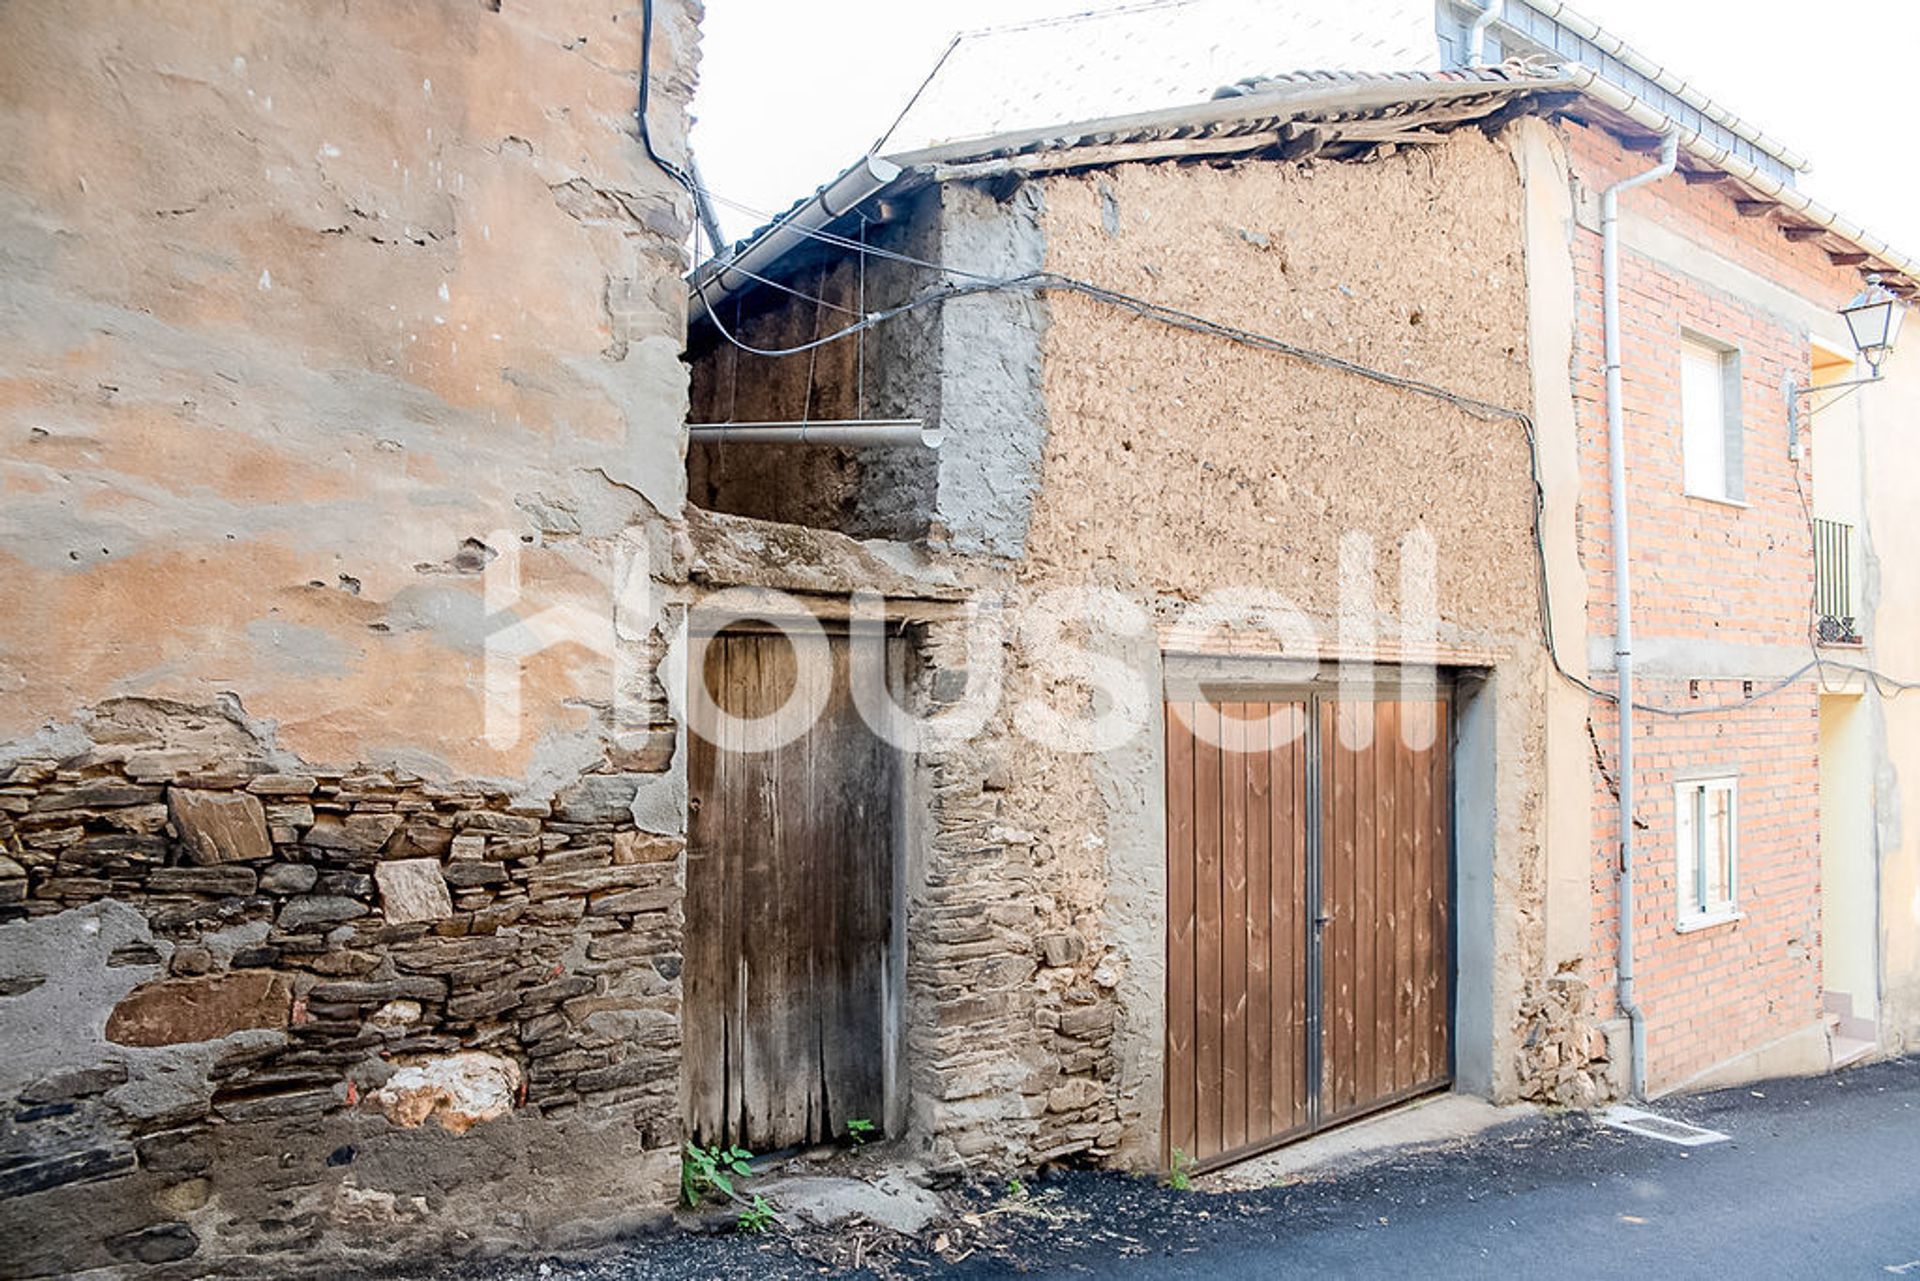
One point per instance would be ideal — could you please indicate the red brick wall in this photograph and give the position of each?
(1704, 571)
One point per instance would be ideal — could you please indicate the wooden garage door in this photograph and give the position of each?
(1308, 935)
(789, 891)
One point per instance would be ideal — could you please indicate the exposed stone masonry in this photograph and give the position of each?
(1565, 1057)
(1011, 1043)
(323, 943)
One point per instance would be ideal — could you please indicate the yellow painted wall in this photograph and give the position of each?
(1847, 914)
(1890, 417)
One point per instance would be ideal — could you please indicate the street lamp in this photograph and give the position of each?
(1873, 319)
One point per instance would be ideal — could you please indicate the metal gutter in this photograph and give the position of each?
(717, 278)
(1651, 118)
(1614, 47)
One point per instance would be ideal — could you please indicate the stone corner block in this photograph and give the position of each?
(219, 827)
(413, 889)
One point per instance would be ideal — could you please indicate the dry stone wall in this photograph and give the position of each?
(322, 952)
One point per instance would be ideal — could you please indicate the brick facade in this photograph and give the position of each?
(1723, 586)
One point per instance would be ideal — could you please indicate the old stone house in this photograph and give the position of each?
(438, 780)
(1277, 416)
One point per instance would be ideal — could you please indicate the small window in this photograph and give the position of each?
(1711, 442)
(1706, 840)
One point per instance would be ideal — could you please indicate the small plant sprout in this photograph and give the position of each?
(711, 1169)
(1180, 1172)
(756, 1217)
(859, 1130)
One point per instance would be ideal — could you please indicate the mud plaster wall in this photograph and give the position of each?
(311, 315)
(1171, 465)
(1176, 464)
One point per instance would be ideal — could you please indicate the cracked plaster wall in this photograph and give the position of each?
(305, 309)
(309, 315)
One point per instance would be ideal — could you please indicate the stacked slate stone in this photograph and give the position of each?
(314, 943)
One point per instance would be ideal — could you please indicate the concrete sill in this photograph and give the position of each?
(1695, 924)
(1719, 500)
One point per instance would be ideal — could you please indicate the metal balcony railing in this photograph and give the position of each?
(1833, 583)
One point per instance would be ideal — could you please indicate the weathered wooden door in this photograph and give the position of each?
(789, 899)
(1308, 934)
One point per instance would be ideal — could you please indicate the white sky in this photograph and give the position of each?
(792, 91)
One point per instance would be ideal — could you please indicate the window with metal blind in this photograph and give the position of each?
(1833, 582)
(1706, 845)
(1712, 444)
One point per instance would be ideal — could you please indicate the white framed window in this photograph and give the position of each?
(1707, 850)
(1711, 443)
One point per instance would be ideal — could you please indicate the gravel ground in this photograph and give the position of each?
(1520, 1196)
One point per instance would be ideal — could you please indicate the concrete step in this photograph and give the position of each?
(1847, 1050)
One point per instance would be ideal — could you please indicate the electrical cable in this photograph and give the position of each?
(667, 167)
(1046, 281)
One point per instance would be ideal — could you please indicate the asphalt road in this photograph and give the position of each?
(1820, 1178)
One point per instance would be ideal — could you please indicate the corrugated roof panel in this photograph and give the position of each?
(1153, 56)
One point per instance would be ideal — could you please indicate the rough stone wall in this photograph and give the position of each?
(312, 314)
(208, 952)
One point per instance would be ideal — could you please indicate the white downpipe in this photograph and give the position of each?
(1623, 588)
(1477, 33)
(880, 431)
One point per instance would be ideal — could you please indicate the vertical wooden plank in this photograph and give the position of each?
(1336, 863)
(1180, 922)
(1291, 938)
(1233, 926)
(1207, 909)
(1422, 914)
(1284, 962)
(763, 935)
(853, 787)
(1406, 837)
(745, 852)
(704, 960)
(1390, 818)
(1442, 929)
(1364, 919)
(1260, 977)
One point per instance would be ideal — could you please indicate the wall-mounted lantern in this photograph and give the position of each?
(1873, 319)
